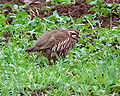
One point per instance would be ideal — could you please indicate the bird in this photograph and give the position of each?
(55, 42)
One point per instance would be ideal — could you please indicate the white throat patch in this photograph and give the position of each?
(70, 32)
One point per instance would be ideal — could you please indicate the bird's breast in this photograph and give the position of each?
(63, 47)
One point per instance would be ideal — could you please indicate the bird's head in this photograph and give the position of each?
(73, 34)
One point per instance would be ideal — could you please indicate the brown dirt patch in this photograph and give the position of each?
(79, 9)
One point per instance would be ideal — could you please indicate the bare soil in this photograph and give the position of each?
(79, 9)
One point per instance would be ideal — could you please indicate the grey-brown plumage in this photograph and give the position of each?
(55, 41)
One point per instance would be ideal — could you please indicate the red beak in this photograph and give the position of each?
(78, 36)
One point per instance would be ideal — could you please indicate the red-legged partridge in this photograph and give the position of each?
(54, 42)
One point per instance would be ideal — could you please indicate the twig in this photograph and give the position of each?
(36, 58)
(37, 12)
(99, 24)
(90, 23)
(77, 59)
(33, 13)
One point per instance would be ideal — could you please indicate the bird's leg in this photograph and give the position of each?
(49, 62)
(54, 61)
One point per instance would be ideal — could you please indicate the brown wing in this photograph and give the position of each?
(44, 39)
(48, 40)
(55, 38)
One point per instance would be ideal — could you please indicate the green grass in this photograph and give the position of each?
(93, 69)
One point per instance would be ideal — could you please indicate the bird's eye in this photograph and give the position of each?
(73, 34)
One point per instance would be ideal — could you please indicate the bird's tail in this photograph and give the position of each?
(31, 49)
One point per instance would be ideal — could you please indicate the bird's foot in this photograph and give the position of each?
(50, 63)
